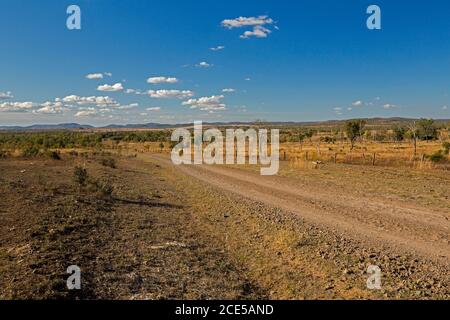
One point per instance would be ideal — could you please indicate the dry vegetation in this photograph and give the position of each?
(138, 230)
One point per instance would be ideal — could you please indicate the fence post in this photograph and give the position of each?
(373, 159)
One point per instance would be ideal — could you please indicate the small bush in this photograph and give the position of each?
(73, 153)
(3, 154)
(104, 188)
(438, 156)
(80, 176)
(30, 152)
(108, 162)
(328, 139)
(446, 146)
(55, 155)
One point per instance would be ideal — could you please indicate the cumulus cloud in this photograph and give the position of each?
(99, 101)
(218, 48)
(6, 95)
(94, 76)
(246, 21)
(16, 106)
(170, 94)
(258, 24)
(158, 80)
(258, 32)
(444, 108)
(203, 64)
(357, 103)
(128, 106)
(154, 109)
(111, 88)
(86, 112)
(98, 75)
(390, 106)
(338, 110)
(228, 90)
(206, 103)
(135, 91)
(52, 107)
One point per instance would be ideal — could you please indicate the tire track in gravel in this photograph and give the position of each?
(400, 227)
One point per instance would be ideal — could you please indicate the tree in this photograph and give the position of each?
(413, 135)
(427, 129)
(309, 134)
(399, 133)
(353, 129)
(301, 138)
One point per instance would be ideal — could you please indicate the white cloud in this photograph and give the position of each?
(349, 108)
(93, 76)
(246, 21)
(111, 88)
(390, 106)
(99, 101)
(134, 91)
(258, 32)
(228, 90)
(357, 103)
(170, 94)
(6, 95)
(16, 106)
(128, 106)
(86, 112)
(51, 107)
(444, 108)
(256, 23)
(218, 48)
(158, 80)
(206, 103)
(204, 64)
(248, 79)
(154, 109)
(108, 74)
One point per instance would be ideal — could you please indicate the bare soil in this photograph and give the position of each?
(208, 232)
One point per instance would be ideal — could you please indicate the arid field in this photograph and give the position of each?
(140, 227)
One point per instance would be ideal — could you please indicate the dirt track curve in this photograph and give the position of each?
(381, 222)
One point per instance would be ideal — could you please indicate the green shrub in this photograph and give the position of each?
(30, 151)
(438, 156)
(104, 188)
(80, 176)
(55, 155)
(108, 162)
(446, 146)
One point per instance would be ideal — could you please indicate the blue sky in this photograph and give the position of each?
(300, 61)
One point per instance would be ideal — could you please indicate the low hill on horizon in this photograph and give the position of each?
(381, 122)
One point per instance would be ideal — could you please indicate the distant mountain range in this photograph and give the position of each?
(328, 123)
